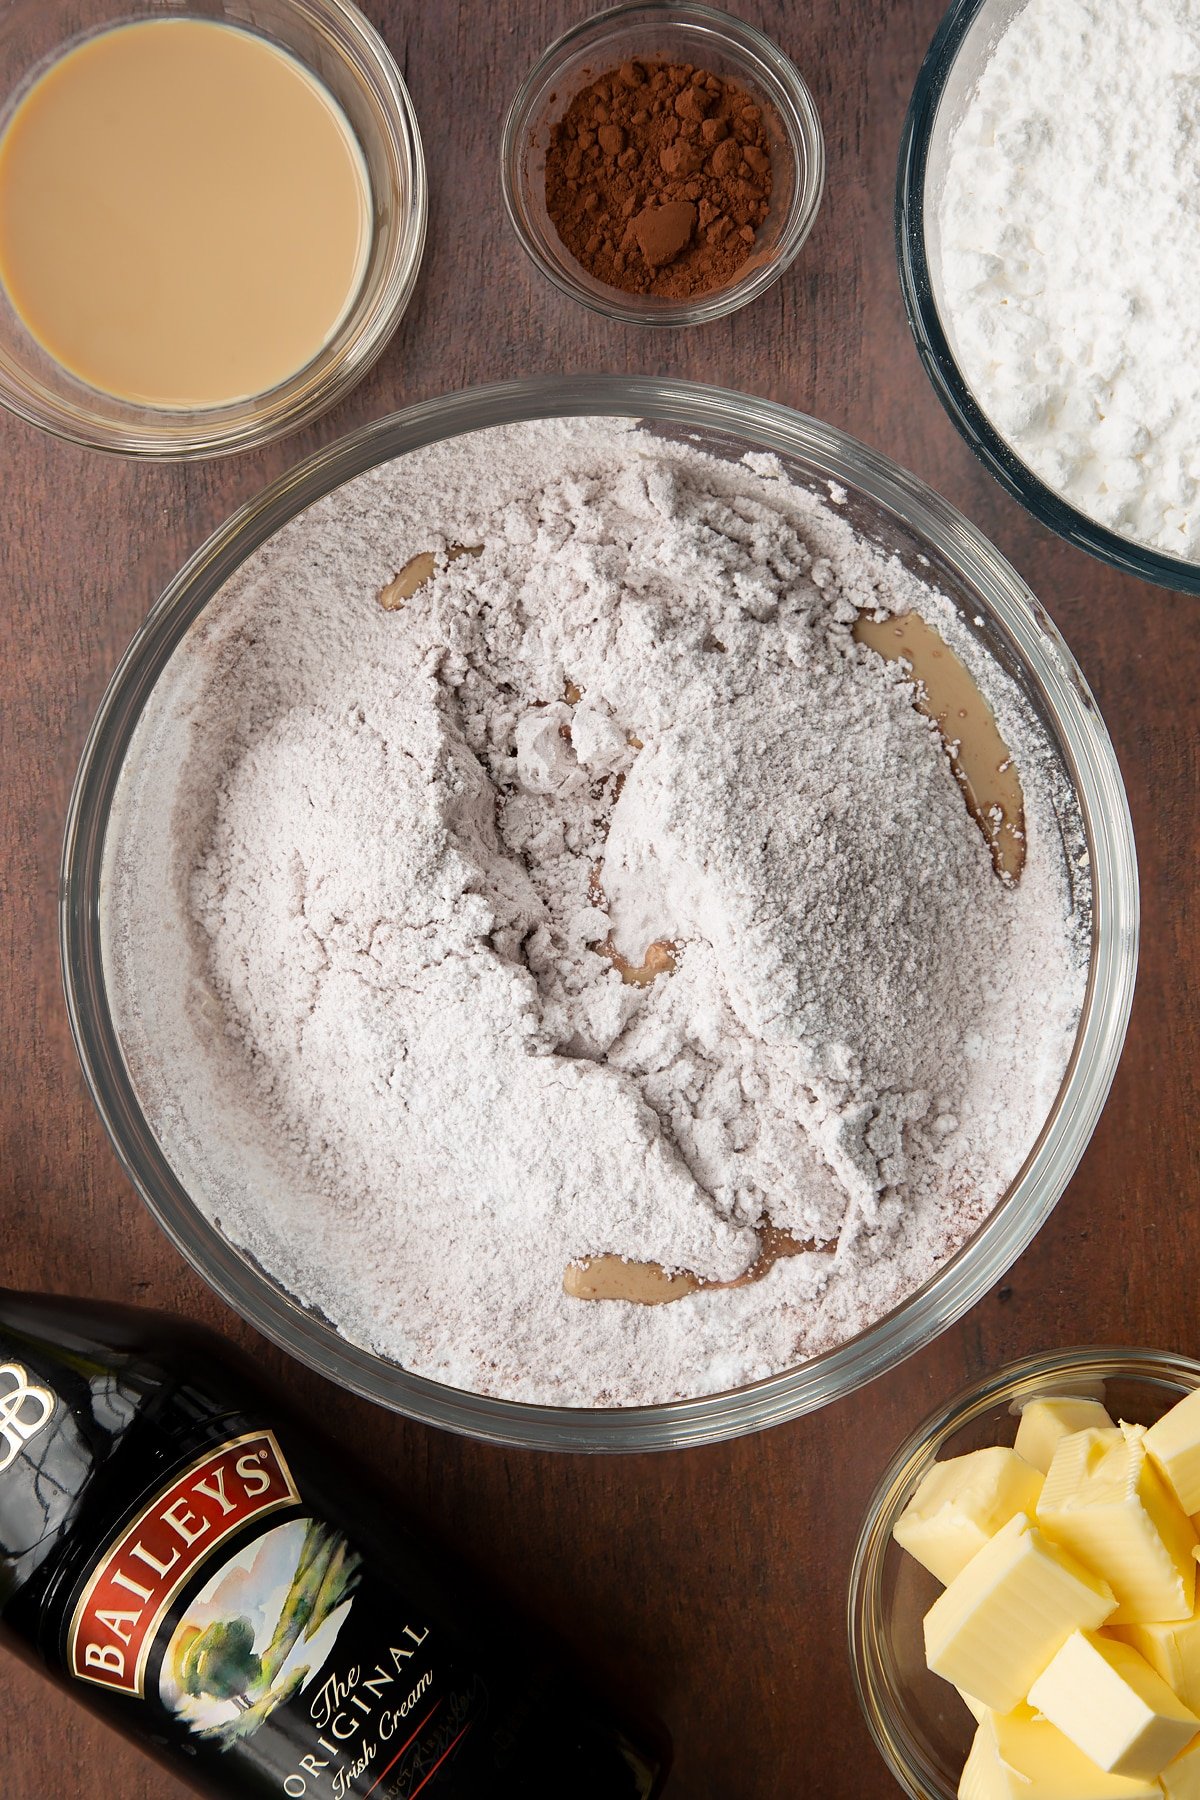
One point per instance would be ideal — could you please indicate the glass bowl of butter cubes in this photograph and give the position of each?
(1024, 1612)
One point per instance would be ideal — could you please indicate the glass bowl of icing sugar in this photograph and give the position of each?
(599, 913)
(1047, 236)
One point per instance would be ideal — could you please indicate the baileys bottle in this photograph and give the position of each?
(177, 1552)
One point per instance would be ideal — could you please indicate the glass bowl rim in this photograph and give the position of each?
(261, 419)
(938, 358)
(800, 119)
(957, 1284)
(895, 1486)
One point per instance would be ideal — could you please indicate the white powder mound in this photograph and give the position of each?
(1070, 242)
(361, 861)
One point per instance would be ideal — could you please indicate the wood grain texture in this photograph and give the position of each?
(713, 1581)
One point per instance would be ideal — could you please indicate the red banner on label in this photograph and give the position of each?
(130, 1590)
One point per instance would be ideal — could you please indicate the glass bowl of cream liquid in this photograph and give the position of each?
(211, 217)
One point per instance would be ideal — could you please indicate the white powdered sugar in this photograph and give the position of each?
(364, 866)
(1069, 227)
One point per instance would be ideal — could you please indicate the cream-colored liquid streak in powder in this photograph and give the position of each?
(184, 213)
(946, 692)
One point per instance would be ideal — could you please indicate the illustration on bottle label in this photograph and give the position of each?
(257, 1632)
(24, 1409)
(131, 1589)
(262, 1632)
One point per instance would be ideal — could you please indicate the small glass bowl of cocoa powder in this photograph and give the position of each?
(663, 163)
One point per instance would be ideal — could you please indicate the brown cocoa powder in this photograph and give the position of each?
(658, 177)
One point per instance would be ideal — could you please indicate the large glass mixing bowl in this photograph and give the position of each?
(948, 76)
(889, 507)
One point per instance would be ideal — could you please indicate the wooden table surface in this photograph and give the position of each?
(712, 1581)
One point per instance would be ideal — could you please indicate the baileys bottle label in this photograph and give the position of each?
(265, 1644)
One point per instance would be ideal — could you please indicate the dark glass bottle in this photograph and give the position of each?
(182, 1556)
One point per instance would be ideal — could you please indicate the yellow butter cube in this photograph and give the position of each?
(996, 1626)
(1181, 1779)
(1019, 1756)
(1052, 1417)
(1106, 1503)
(1174, 1446)
(1172, 1648)
(1113, 1706)
(963, 1502)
